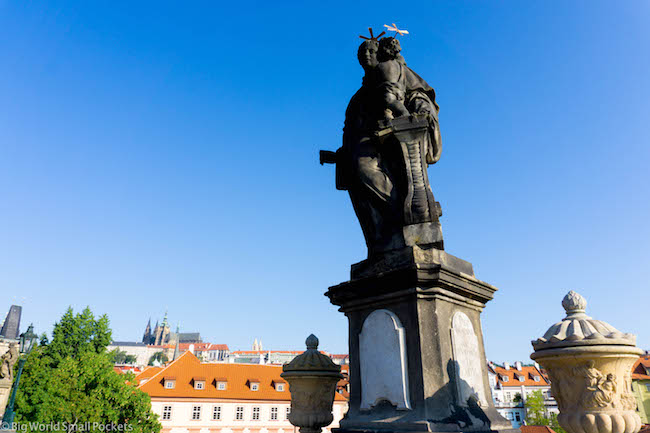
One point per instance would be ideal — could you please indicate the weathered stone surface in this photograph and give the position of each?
(589, 364)
(382, 354)
(390, 137)
(424, 256)
(469, 379)
(312, 378)
(7, 361)
(424, 298)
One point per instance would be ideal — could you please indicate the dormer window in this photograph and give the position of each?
(536, 378)
(199, 382)
(221, 383)
(169, 382)
(505, 378)
(254, 384)
(279, 385)
(521, 378)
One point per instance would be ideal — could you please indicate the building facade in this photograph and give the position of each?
(641, 386)
(191, 396)
(511, 385)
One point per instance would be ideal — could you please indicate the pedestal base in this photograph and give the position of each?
(417, 361)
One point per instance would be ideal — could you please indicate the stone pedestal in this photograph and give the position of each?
(5, 391)
(417, 361)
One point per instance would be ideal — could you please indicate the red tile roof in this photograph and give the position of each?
(641, 368)
(536, 429)
(528, 372)
(187, 366)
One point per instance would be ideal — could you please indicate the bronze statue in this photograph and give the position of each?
(391, 134)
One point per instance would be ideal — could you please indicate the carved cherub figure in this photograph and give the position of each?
(391, 78)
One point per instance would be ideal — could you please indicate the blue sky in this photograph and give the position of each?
(158, 156)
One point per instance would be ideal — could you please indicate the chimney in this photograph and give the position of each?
(192, 349)
(537, 366)
(506, 366)
(518, 365)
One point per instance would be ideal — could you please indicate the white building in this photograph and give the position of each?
(511, 385)
(191, 396)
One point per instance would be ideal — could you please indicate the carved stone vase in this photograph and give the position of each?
(312, 379)
(589, 364)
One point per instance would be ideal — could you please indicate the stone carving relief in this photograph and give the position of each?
(467, 361)
(382, 354)
(589, 388)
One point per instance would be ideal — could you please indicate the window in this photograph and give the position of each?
(221, 386)
(505, 378)
(216, 413)
(169, 384)
(286, 415)
(510, 416)
(167, 413)
(255, 386)
(517, 417)
(196, 413)
(521, 378)
(199, 385)
(274, 414)
(537, 378)
(256, 413)
(508, 396)
(239, 413)
(279, 387)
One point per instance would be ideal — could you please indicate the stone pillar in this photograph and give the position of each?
(417, 360)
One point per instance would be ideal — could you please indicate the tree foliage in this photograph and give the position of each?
(535, 409)
(70, 379)
(536, 413)
(158, 357)
(120, 357)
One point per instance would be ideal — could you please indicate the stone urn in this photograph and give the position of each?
(312, 379)
(589, 363)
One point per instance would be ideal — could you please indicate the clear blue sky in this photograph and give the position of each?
(159, 155)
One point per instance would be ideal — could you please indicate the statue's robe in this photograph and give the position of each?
(365, 171)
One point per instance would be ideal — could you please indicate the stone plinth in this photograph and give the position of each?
(417, 360)
(5, 391)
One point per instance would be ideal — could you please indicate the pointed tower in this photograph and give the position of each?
(255, 346)
(166, 331)
(177, 349)
(146, 338)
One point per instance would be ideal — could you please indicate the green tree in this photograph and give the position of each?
(71, 380)
(535, 409)
(159, 357)
(536, 413)
(120, 357)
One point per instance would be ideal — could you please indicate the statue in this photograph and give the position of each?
(7, 362)
(391, 134)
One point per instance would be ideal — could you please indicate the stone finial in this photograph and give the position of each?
(312, 342)
(579, 329)
(574, 303)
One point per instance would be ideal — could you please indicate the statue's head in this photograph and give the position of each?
(367, 54)
(389, 49)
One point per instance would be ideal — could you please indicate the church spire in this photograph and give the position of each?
(177, 349)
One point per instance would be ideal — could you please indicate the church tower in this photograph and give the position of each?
(146, 338)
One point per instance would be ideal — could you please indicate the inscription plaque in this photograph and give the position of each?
(467, 360)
